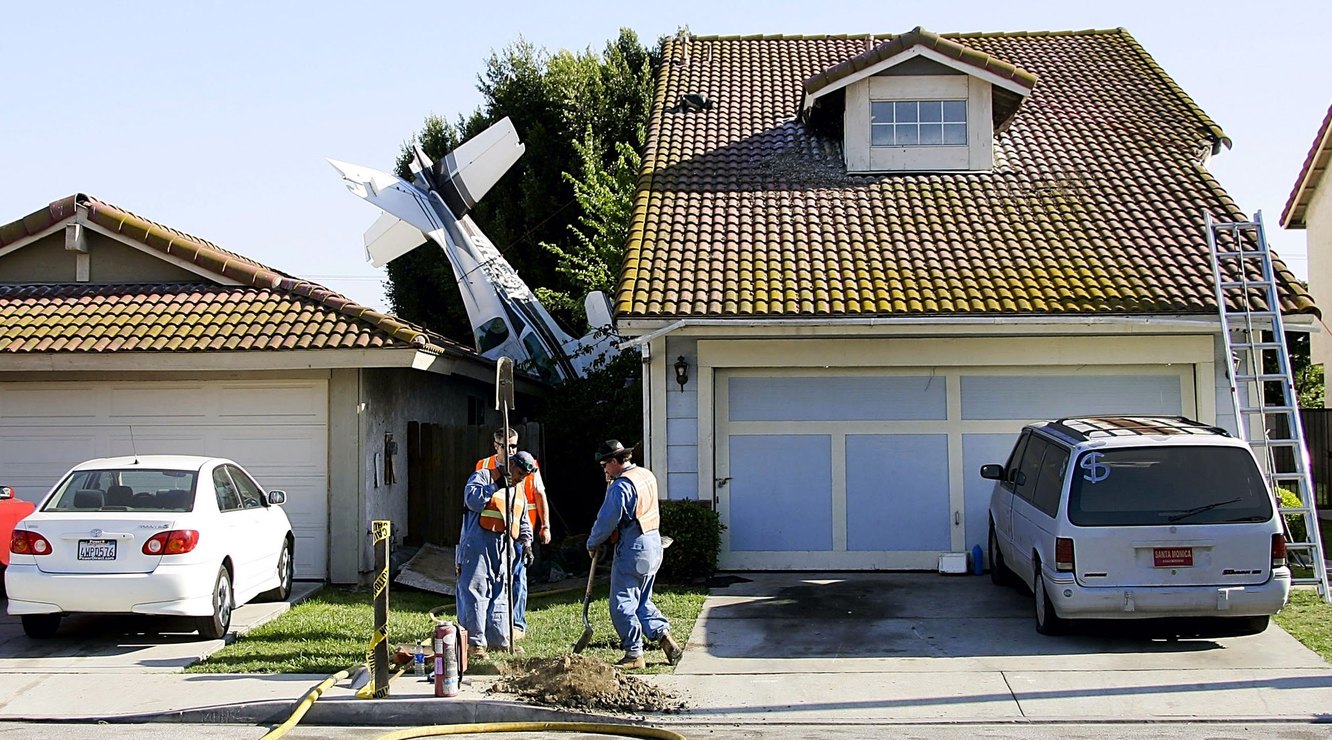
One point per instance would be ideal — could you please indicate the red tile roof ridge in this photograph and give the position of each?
(1292, 216)
(889, 36)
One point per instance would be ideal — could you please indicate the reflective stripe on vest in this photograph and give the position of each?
(492, 516)
(646, 510)
(529, 487)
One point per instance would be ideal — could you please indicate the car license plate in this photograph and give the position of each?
(1172, 557)
(97, 549)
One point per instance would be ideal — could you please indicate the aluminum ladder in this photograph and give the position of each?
(1268, 419)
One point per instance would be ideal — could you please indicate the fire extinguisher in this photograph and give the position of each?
(447, 673)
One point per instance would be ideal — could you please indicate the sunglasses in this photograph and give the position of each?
(512, 447)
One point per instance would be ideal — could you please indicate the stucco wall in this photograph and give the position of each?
(1318, 218)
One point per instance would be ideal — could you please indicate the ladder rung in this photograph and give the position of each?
(1257, 345)
(1250, 284)
(1234, 225)
(1267, 409)
(1263, 314)
(1260, 376)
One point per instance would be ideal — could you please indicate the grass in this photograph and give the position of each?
(1308, 620)
(331, 630)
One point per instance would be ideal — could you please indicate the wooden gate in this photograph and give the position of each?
(1318, 438)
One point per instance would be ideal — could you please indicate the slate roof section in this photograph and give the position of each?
(1094, 206)
(1311, 176)
(270, 311)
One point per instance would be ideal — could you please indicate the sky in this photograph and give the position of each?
(215, 118)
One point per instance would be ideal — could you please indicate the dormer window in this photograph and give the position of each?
(918, 123)
(917, 103)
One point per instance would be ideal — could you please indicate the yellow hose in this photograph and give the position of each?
(311, 697)
(599, 728)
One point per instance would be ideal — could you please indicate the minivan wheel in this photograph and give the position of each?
(1047, 621)
(216, 626)
(41, 626)
(286, 570)
(999, 574)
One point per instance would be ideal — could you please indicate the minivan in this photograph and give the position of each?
(1137, 517)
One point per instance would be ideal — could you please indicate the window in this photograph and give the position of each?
(1011, 467)
(1051, 482)
(918, 123)
(227, 498)
(1177, 485)
(1030, 468)
(250, 495)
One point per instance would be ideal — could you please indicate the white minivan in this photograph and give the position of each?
(1137, 518)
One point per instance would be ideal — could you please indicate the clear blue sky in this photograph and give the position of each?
(215, 118)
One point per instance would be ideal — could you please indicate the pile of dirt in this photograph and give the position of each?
(582, 682)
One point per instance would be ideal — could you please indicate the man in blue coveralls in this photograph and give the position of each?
(630, 512)
(488, 536)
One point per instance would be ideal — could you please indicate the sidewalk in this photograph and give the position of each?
(784, 649)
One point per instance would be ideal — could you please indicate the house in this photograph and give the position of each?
(858, 265)
(1310, 207)
(118, 334)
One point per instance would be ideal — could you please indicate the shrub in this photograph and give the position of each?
(696, 529)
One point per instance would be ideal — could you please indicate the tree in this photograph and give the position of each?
(583, 108)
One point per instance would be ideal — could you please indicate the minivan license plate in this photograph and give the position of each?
(1172, 557)
(97, 549)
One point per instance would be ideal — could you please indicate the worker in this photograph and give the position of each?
(630, 514)
(489, 535)
(535, 490)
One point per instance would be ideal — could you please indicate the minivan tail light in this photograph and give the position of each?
(1064, 554)
(24, 542)
(1278, 550)
(173, 542)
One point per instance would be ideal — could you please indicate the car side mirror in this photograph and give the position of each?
(1020, 478)
(277, 498)
(6, 493)
(992, 472)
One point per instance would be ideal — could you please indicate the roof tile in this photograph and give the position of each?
(1095, 203)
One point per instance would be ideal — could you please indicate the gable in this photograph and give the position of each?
(109, 261)
(1094, 205)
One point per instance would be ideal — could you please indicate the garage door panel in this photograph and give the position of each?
(978, 450)
(1032, 397)
(277, 400)
(892, 485)
(161, 401)
(46, 401)
(781, 498)
(836, 398)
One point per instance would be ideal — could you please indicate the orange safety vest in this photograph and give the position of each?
(492, 515)
(646, 510)
(534, 514)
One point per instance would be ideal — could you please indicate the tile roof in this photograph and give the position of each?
(268, 311)
(1311, 175)
(1094, 206)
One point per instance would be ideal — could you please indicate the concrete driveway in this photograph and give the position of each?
(115, 644)
(869, 648)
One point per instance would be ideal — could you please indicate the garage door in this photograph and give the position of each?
(865, 468)
(278, 430)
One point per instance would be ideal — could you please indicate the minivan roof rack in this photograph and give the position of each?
(1089, 427)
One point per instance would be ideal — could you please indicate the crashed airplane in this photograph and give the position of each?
(507, 319)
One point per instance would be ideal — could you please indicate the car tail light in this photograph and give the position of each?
(1278, 550)
(174, 542)
(24, 542)
(1064, 554)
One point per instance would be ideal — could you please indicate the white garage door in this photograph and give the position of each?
(879, 468)
(278, 430)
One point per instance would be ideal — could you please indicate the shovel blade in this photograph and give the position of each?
(583, 640)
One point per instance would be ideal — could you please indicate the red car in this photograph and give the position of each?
(11, 511)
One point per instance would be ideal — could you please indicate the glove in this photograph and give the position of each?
(528, 555)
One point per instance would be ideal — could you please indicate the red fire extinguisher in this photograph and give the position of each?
(447, 665)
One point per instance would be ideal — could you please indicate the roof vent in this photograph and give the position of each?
(693, 102)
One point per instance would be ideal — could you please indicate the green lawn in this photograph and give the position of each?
(1309, 620)
(331, 630)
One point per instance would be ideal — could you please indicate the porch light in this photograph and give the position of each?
(681, 372)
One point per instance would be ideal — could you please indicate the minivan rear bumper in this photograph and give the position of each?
(1073, 601)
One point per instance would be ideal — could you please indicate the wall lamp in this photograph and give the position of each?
(681, 372)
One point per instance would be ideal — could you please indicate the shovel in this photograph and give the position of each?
(587, 600)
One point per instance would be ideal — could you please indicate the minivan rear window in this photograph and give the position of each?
(1176, 485)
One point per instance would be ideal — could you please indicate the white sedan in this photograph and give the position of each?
(170, 535)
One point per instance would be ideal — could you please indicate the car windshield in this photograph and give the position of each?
(1177, 485)
(136, 489)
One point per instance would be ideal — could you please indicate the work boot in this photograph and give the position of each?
(671, 648)
(476, 652)
(629, 662)
(519, 634)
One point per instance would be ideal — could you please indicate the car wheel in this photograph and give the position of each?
(286, 570)
(216, 626)
(41, 626)
(1047, 622)
(999, 574)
